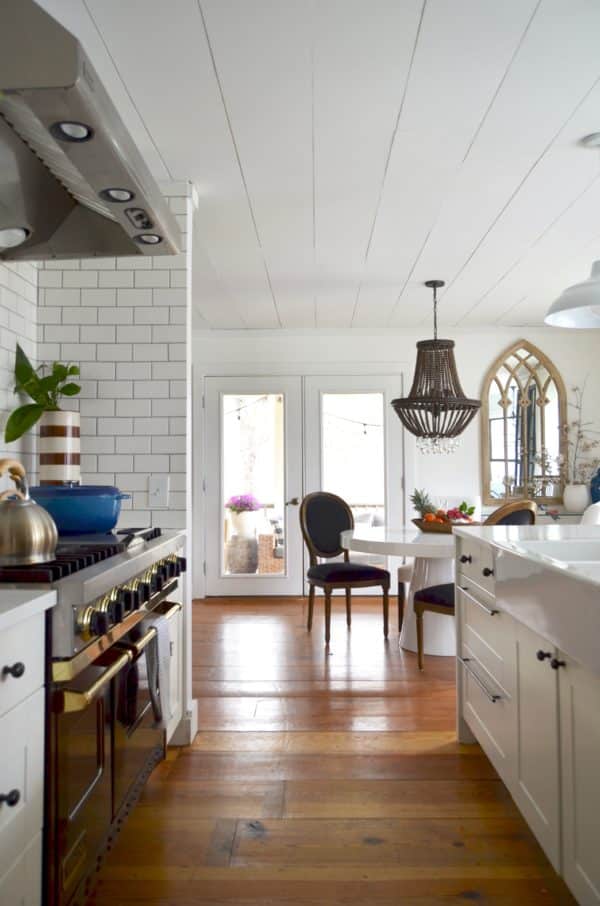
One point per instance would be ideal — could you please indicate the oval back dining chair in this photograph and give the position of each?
(323, 517)
(440, 598)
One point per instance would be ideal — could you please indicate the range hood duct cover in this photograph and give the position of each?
(52, 187)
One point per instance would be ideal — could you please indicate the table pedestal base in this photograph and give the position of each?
(438, 630)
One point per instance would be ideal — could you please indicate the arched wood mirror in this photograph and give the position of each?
(523, 406)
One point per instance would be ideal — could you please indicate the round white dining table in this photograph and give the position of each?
(433, 565)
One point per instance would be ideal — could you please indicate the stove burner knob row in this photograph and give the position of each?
(99, 622)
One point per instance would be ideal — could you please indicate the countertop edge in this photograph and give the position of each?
(26, 603)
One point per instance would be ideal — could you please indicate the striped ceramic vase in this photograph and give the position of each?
(59, 448)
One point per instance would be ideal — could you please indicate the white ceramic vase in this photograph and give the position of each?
(576, 497)
(59, 448)
(244, 523)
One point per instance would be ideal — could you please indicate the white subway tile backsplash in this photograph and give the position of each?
(46, 352)
(115, 389)
(135, 334)
(134, 371)
(152, 315)
(98, 371)
(137, 262)
(177, 462)
(177, 425)
(115, 463)
(168, 371)
(79, 315)
(48, 316)
(151, 389)
(50, 279)
(78, 352)
(177, 352)
(101, 444)
(177, 389)
(115, 278)
(175, 407)
(169, 444)
(98, 297)
(151, 426)
(98, 264)
(97, 407)
(169, 297)
(62, 297)
(104, 333)
(171, 334)
(150, 352)
(114, 352)
(134, 444)
(132, 408)
(152, 279)
(116, 426)
(151, 463)
(80, 278)
(61, 334)
(115, 315)
(131, 481)
(178, 279)
(134, 297)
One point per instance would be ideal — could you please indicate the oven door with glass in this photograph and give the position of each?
(80, 768)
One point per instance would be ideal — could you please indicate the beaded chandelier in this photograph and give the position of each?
(436, 410)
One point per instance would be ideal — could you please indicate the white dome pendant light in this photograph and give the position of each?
(579, 305)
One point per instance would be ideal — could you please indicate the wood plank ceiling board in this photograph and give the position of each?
(463, 51)
(263, 55)
(182, 104)
(524, 167)
(362, 54)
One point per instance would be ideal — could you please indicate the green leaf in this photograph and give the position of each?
(24, 370)
(73, 369)
(21, 420)
(70, 389)
(50, 383)
(59, 372)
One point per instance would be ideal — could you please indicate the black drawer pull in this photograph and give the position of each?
(17, 670)
(555, 663)
(542, 655)
(487, 571)
(10, 798)
(466, 558)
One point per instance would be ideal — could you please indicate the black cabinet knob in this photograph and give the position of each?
(555, 663)
(16, 670)
(542, 655)
(466, 558)
(487, 571)
(11, 798)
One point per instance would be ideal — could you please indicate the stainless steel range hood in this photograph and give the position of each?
(72, 182)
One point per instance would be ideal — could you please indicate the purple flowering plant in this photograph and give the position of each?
(243, 503)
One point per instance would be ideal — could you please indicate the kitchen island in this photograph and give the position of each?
(528, 655)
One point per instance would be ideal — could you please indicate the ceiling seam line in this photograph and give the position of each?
(468, 150)
(237, 156)
(537, 240)
(389, 154)
(127, 92)
(522, 183)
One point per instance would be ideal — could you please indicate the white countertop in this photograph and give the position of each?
(17, 604)
(404, 541)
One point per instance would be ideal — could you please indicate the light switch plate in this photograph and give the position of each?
(158, 492)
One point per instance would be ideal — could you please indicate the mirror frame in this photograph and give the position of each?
(487, 498)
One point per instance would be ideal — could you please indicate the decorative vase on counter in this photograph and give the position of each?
(595, 487)
(244, 524)
(576, 498)
(59, 448)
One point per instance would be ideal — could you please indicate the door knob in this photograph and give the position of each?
(542, 655)
(294, 501)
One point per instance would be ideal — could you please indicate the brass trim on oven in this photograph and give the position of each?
(136, 648)
(63, 671)
(172, 611)
(72, 700)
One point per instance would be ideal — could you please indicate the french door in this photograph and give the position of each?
(269, 441)
(253, 460)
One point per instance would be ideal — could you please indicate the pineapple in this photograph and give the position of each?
(422, 503)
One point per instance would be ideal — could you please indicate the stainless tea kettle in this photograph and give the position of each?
(27, 531)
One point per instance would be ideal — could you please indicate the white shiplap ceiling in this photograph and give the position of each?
(347, 150)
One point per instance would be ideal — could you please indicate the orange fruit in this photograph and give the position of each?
(429, 517)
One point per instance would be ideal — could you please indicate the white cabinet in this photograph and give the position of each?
(175, 670)
(22, 716)
(536, 776)
(580, 751)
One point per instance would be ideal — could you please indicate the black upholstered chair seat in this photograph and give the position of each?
(347, 572)
(440, 595)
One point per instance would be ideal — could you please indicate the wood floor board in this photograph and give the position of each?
(322, 778)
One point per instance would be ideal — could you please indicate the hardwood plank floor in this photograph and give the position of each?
(322, 777)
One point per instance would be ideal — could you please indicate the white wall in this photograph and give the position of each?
(18, 320)
(576, 354)
(124, 321)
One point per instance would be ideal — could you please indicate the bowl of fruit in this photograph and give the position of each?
(433, 519)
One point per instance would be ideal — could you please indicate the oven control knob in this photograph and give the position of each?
(132, 599)
(99, 622)
(157, 581)
(118, 608)
(144, 592)
(182, 563)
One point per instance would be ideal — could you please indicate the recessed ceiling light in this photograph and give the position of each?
(149, 238)
(10, 237)
(70, 131)
(116, 194)
(591, 141)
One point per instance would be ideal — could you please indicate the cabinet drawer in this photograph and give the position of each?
(21, 646)
(476, 562)
(487, 632)
(21, 769)
(489, 712)
(22, 883)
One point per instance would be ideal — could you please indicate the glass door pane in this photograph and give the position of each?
(253, 484)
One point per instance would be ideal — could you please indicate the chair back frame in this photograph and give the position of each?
(313, 551)
(509, 508)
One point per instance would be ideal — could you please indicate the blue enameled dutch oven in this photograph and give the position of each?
(82, 508)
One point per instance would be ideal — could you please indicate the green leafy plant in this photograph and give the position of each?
(44, 385)
(422, 502)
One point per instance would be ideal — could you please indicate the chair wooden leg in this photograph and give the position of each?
(348, 609)
(386, 610)
(327, 614)
(401, 601)
(419, 617)
(311, 605)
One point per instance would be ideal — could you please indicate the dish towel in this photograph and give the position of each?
(158, 661)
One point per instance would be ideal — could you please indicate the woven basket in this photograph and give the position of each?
(440, 528)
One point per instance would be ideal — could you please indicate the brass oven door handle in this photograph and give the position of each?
(136, 648)
(73, 700)
(172, 611)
